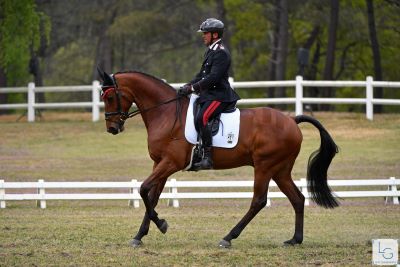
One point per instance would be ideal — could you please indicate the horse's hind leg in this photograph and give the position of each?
(259, 201)
(296, 198)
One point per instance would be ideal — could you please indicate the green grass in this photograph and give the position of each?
(75, 149)
(67, 147)
(97, 234)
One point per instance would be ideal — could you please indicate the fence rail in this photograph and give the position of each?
(42, 188)
(299, 100)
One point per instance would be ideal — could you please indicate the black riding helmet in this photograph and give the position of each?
(212, 25)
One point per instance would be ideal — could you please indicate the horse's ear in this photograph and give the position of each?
(100, 72)
(107, 79)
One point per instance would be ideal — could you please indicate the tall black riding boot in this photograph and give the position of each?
(206, 136)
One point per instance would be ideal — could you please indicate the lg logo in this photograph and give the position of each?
(385, 251)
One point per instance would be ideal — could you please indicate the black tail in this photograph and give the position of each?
(318, 164)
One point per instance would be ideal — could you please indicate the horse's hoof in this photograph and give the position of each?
(291, 242)
(225, 244)
(136, 243)
(164, 226)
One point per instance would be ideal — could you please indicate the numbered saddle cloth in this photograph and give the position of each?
(228, 132)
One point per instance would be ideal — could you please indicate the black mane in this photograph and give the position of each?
(149, 76)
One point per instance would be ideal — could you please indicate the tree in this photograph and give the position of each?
(159, 37)
(20, 33)
(331, 48)
(282, 45)
(3, 83)
(376, 55)
(104, 54)
(249, 29)
(221, 11)
(309, 69)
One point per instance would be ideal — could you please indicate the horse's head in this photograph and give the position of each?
(115, 105)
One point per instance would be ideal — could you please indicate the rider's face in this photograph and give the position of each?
(207, 38)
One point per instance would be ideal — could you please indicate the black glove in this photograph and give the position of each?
(185, 90)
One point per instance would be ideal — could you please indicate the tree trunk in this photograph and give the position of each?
(3, 97)
(330, 53)
(378, 92)
(34, 64)
(35, 70)
(274, 52)
(312, 74)
(282, 50)
(103, 55)
(309, 71)
(305, 50)
(221, 11)
(104, 52)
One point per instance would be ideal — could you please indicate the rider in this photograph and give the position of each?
(211, 83)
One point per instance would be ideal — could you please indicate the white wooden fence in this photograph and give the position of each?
(385, 188)
(299, 100)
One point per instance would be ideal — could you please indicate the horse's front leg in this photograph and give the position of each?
(154, 196)
(156, 180)
(143, 230)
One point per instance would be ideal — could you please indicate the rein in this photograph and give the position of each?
(137, 111)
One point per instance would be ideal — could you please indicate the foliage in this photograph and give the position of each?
(249, 39)
(72, 64)
(21, 30)
(159, 37)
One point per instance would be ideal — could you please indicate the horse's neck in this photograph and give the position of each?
(149, 96)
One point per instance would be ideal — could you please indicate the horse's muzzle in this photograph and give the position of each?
(116, 129)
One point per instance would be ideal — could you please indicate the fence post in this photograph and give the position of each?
(2, 195)
(268, 200)
(299, 95)
(304, 191)
(392, 188)
(31, 102)
(135, 191)
(231, 80)
(173, 201)
(369, 97)
(41, 191)
(95, 101)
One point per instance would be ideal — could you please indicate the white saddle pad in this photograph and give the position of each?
(228, 132)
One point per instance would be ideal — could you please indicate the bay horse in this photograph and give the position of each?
(269, 141)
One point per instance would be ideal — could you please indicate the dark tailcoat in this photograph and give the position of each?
(212, 80)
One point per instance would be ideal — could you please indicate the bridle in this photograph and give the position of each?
(106, 89)
(123, 115)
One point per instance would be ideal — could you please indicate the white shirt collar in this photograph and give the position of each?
(213, 45)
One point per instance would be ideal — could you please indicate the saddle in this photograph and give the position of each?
(216, 121)
(226, 136)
